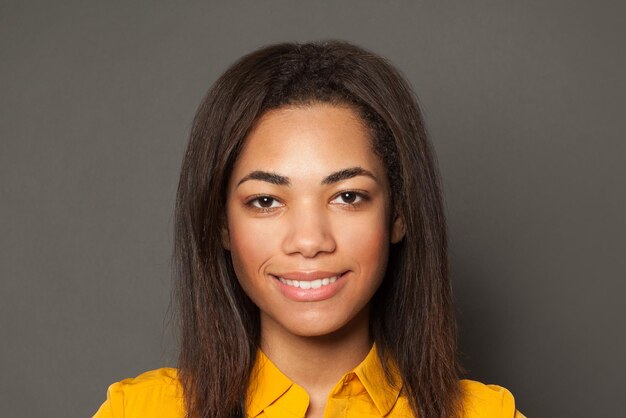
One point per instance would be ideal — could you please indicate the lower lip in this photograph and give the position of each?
(311, 295)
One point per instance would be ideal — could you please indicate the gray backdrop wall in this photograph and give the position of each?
(524, 102)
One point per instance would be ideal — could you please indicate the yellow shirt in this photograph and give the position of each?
(157, 393)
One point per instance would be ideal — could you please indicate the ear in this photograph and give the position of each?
(398, 228)
(225, 236)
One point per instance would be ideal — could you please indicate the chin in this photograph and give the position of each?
(318, 326)
(314, 332)
(327, 321)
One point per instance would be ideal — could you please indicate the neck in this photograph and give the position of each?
(300, 357)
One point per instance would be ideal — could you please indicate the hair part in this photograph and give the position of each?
(412, 321)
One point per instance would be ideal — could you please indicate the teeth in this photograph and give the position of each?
(309, 284)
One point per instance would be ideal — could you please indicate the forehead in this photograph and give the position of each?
(308, 141)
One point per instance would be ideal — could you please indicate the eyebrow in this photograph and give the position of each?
(335, 177)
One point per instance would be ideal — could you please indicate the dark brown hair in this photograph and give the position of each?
(412, 319)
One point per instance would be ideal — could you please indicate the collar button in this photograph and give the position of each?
(347, 379)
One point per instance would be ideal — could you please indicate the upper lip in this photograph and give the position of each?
(307, 275)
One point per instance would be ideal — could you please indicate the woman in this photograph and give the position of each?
(311, 251)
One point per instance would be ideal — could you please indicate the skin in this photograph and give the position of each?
(346, 225)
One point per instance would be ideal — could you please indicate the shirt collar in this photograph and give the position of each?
(268, 384)
(371, 373)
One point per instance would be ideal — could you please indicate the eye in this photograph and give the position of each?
(351, 198)
(263, 203)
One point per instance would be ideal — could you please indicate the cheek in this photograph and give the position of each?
(367, 241)
(251, 245)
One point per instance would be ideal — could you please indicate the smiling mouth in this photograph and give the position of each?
(310, 284)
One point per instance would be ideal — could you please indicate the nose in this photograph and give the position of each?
(309, 232)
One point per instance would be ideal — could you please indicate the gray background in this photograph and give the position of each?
(524, 102)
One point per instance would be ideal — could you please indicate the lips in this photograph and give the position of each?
(309, 286)
(308, 275)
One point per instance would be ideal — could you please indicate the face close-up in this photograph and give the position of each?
(309, 221)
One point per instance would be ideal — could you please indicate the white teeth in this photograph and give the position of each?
(309, 284)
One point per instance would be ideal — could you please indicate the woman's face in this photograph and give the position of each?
(309, 219)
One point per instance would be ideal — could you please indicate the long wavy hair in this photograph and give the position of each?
(412, 317)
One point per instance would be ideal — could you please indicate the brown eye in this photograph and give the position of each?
(351, 198)
(263, 203)
(348, 197)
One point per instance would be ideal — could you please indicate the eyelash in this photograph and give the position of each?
(250, 202)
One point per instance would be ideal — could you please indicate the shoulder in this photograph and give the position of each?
(153, 393)
(161, 382)
(481, 400)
